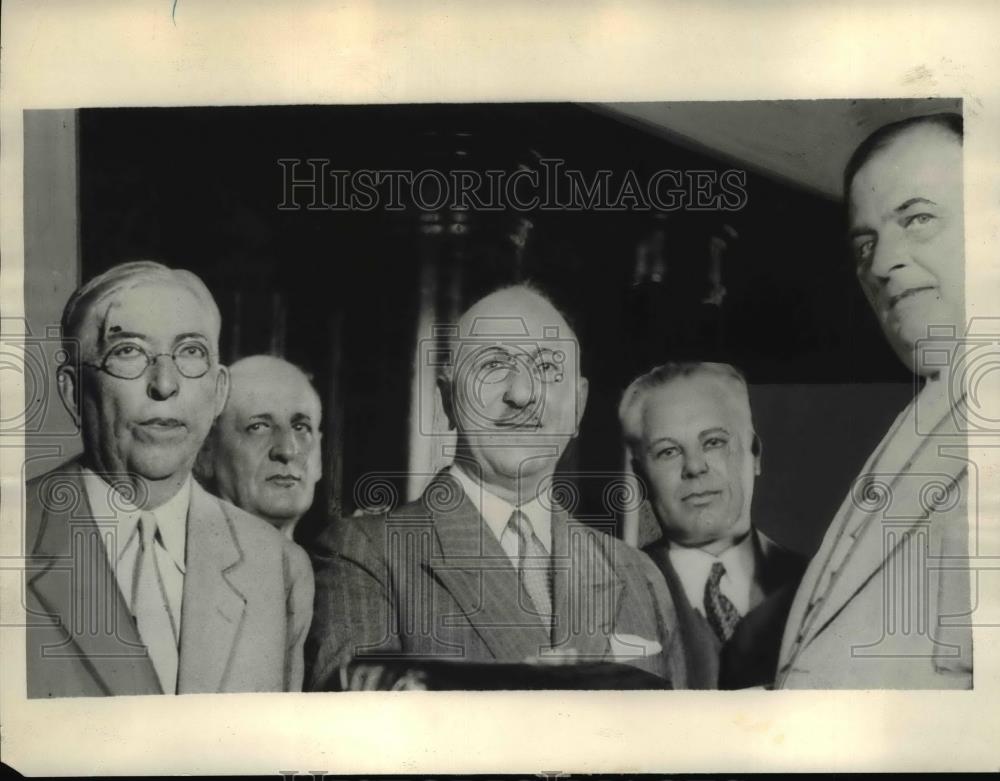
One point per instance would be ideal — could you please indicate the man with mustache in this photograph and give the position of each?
(263, 452)
(689, 429)
(885, 602)
(486, 567)
(139, 581)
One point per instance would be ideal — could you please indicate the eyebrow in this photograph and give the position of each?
(115, 332)
(864, 230)
(907, 204)
(492, 350)
(657, 442)
(190, 335)
(701, 434)
(298, 416)
(261, 416)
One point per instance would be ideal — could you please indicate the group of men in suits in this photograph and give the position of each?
(140, 581)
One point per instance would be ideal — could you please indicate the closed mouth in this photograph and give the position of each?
(893, 300)
(164, 423)
(518, 425)
(700, 496)
(284, 480)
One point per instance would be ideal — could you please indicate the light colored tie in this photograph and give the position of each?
(151, 608)
(534, 566)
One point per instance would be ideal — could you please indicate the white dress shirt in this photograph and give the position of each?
(496, 512)
(693, 566)
(119, 524)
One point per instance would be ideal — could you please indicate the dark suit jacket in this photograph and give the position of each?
(750, 656)
(430, 581)
(247, 601)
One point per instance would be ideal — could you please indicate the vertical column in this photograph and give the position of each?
(51, 273)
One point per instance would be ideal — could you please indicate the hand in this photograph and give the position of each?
(370, 676)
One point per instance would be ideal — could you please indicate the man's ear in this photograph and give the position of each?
(221, 390)
(447, 400)
(756, 448)
(582, 390)
(68, 384)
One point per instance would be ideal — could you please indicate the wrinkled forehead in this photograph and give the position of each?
(157, 310)
(516, 321)
(283, 393)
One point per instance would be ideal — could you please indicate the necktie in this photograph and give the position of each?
(721, 613)
(151, 609)
(533, 565)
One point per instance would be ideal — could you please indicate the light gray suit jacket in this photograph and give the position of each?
(885, 603)
(247, 601)
(429, 581)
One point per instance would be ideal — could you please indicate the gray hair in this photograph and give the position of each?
(122, 277)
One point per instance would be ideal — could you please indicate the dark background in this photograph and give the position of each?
(339, 293)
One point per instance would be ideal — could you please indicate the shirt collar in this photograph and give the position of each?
(693, 566)
(496, 511)
(171, 520)
(109, 505)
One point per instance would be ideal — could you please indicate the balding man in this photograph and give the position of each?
(885, 603)
(263, 452)
(689, 429)
(486, 567)
(139, 581)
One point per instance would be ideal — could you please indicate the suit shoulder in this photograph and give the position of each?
(355, 533)
(258, 538)
(255, 532)
(621, 553)
(781, 564)
(58, 491)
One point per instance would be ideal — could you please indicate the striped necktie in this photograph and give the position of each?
(722, 615)
(534, 566)
(151, 608)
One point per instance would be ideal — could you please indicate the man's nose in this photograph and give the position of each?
(695, 464)
(521, 389)
(163, 378)
(284, 446)
(890, 254)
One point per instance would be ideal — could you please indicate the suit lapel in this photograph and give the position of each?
(76, 582)
(855, 560)
(470, 564)
(586, 592)
(701, 646)
(213, 603)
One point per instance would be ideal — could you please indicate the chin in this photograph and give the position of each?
(158, 468)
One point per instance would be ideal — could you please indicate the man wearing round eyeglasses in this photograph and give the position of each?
(489, 566)
(149, 583)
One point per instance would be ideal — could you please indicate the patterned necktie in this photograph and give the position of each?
(722, 615)
(533, 565)
(151, 608)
